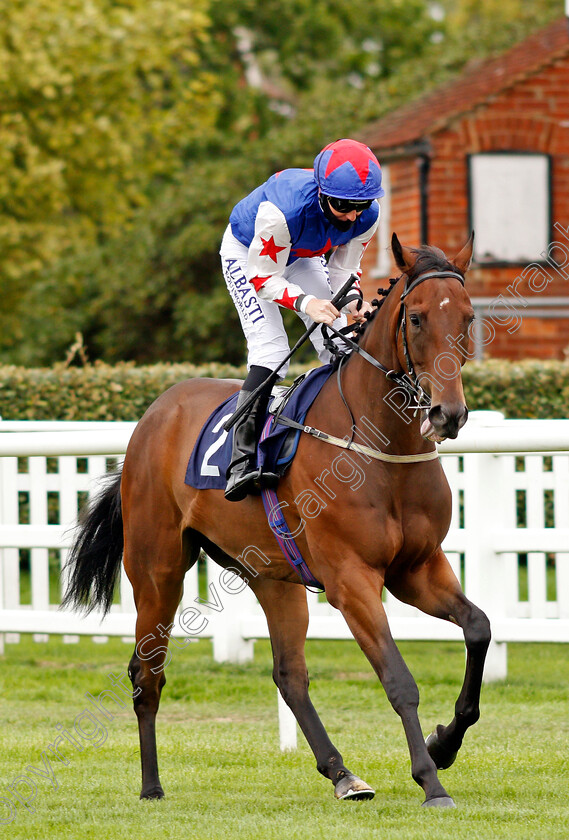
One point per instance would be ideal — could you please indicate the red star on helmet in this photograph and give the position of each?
(343, 152)
(306, 252)
(270, 249)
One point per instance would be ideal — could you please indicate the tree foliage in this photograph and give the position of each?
(98, 100)
(301, 41)
(131, 129)
(481, 26)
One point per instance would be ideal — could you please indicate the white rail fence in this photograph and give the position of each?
(508, 541)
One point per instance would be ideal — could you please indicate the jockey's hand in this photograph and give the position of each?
(322, 311)
(359, 315)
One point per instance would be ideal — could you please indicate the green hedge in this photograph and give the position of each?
(93, 392)
(124, 391)
(519, 389)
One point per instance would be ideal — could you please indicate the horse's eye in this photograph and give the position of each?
(415, 320)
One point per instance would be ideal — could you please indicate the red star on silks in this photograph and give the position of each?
(270, 249)
(306, 252)
(257, 282)
(341, 154)
(286, 300)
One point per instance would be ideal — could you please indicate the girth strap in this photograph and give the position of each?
(281, 531)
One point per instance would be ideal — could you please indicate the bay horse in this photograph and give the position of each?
(387, 532)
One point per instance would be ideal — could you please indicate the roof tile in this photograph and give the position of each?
(477, 83)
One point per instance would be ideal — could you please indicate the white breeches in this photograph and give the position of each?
(267, 342)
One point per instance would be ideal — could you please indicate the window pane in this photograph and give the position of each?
(510, 206)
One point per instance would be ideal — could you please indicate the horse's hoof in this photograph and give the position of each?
(153, 793)
(442, 757)
(352, 788)
(439, 802)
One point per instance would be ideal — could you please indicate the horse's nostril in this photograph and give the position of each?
(437, 415)
(448, 420)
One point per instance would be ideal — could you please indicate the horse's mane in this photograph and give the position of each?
(429, 258)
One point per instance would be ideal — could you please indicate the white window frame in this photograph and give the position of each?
(383, 264)
(510, 206)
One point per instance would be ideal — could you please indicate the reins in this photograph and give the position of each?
(399, 377)
(409, 380)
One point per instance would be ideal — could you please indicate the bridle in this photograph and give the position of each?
(402, 328)
(407, 380)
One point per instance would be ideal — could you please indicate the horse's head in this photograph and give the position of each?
(432, 331)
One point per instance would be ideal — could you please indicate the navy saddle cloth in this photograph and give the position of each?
(212, 453)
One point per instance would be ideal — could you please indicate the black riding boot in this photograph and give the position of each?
(243, 475)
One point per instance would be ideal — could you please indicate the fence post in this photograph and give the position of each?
(9, 513)
(483, 566)
(561, 520)
(39, 563)
(230, 598)
(287, 726)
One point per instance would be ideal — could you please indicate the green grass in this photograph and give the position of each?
(225, 777)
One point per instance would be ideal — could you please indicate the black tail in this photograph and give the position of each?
(95, 558)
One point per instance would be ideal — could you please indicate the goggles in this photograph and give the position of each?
(344, 205)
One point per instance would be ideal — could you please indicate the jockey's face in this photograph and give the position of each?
(346, 210)
(342, 213)
(345, 217)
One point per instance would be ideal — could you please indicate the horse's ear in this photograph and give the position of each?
(404, 257)
(463, 258)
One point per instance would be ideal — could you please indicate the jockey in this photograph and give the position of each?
(272, 255)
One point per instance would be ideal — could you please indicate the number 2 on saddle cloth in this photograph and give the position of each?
(211, 455)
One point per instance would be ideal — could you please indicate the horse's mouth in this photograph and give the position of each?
(443, 422)
(429, 432)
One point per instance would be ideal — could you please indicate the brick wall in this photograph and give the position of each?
(405, 216)
(535, 338)
(530, 116)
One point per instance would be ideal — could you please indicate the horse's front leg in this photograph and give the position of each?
(434, 589)
(356, 592)
(444, 743)
(286, 610)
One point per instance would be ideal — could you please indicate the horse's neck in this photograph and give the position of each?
(374, 400)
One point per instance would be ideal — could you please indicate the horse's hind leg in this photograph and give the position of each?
(435, 590)
(156, 568)
(286, 610)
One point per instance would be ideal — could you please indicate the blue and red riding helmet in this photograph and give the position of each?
(349, 170)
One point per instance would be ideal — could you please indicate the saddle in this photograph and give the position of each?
(211, 455)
